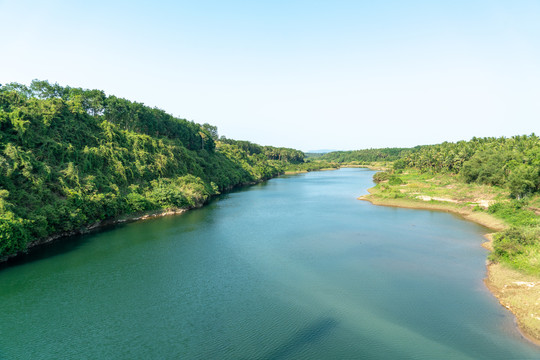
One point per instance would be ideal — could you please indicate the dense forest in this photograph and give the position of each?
(512, 162)
(71, 157)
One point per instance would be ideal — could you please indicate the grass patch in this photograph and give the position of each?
(519, 248)
(515, 212)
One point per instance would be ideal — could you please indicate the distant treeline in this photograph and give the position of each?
(70, 157)
(286, 159)
(363, 156)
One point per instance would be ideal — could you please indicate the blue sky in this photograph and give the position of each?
(303, 74)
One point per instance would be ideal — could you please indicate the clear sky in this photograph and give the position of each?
(311, 74)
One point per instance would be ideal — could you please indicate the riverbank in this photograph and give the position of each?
(294, 172)
(127, 218)
(123, 219)
(375, 167)
(36, 244)
(464, 211)
(517, 292)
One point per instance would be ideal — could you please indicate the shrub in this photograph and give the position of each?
(381, 176)
(394, 180)
(514, 241)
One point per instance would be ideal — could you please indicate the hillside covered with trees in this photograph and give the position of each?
(71, 157)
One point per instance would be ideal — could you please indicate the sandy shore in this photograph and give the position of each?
(518, 293)
(464, 211)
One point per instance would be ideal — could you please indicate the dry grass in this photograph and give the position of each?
(520, 294)
(378, 166)
(449, 186)
(460, 208)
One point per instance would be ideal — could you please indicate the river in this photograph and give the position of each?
(294, 268)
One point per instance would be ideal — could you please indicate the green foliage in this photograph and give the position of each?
(70, 157)
(523, 180)
(308, 165)
(394, 180)
(14, 233)
(388, 192)
(185, 191)
(513, 241)
(272, 153)
(486, 167)
(518, 247)
(399, 164)
(381, 176)
(515, 213)
(512, 163)
(364, 156)
(211, 130)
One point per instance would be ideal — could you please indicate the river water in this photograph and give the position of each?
(295, 268)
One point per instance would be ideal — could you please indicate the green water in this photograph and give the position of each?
(295, 268)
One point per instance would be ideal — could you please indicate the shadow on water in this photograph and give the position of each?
(59, 246)
(310, 334)
(71, 243)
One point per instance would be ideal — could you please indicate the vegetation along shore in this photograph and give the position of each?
(492, 181)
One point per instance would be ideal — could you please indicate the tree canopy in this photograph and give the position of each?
(512, 162)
